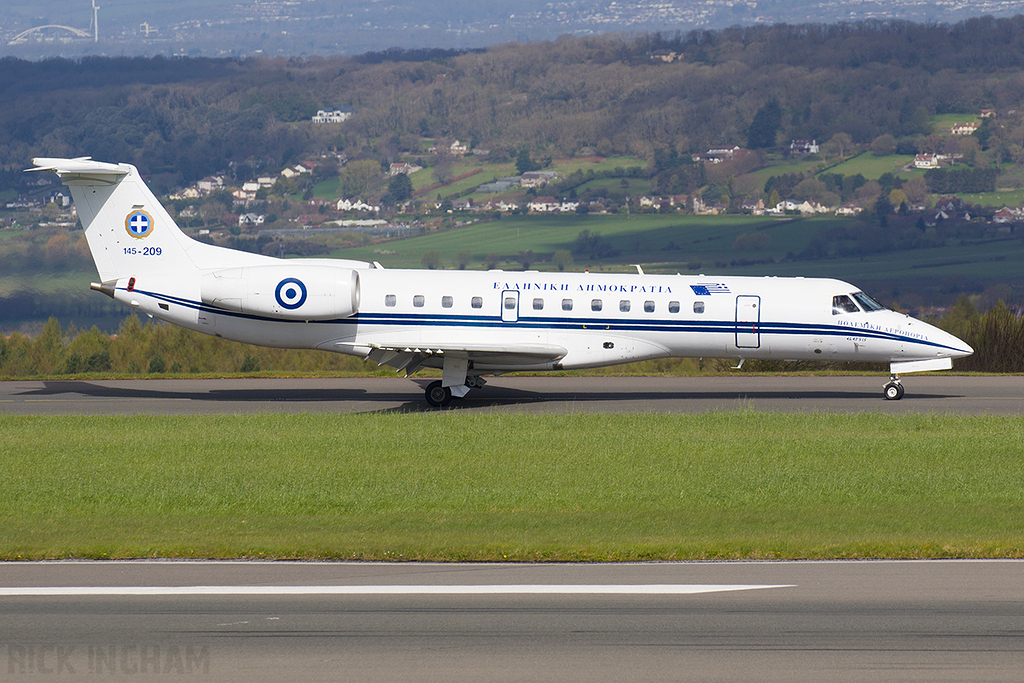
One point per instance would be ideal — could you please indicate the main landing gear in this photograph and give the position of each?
(893, 389)
(439, 396)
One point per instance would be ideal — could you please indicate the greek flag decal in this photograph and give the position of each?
(709, 288)
(139, 224)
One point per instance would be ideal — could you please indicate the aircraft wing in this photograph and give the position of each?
(411, 359)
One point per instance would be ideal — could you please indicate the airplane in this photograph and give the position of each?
(469, 324)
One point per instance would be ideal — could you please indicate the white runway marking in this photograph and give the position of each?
(513, 589)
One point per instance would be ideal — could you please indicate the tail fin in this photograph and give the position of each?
(129, 232)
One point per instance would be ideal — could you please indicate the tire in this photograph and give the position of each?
(893, 391)
(437, 395)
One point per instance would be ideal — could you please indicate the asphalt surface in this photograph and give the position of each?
(810, 621)
(1002, 395)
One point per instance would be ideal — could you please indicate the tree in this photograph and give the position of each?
(897, 198)
(463, 259)
(915, 189)
(431, 260)
(815, 190)
(358, 176)
(883, 207)
(883, 145)
(526, 258)
(492, 259)
(766, 124)
(524, 164)
(842, 143)
(442, 168)
(399, 188)
(562, 259)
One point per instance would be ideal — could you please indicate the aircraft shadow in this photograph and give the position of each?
(491, 396)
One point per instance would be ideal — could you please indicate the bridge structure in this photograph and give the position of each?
(93, 30)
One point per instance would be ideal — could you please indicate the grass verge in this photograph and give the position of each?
(450, 486)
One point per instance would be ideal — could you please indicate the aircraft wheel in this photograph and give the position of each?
(437, 395)
(894, 391)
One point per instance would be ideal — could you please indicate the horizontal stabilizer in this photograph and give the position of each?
(81, 171)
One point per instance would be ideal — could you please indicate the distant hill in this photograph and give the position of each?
(326, 27)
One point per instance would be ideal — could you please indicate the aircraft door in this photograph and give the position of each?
(748, 322)
(510, 305)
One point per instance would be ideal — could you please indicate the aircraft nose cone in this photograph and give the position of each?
(958, 348)
(965, 351)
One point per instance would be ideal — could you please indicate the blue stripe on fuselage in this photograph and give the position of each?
(565, 324)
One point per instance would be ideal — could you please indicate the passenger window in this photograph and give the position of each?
(843, 304)
(538, 304)
(510, 303)
(596, 305)
(624, 306)
(566, 304)
(477, 302)
(417, 301)
(446, 302)
(648, 307)
(673, 306)
(390, 300)
(698, 306)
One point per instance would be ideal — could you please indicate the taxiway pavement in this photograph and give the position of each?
(791, 622)
(998, 395)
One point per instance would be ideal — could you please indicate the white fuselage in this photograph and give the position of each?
(598, 319)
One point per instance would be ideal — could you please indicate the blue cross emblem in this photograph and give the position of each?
(139, 224)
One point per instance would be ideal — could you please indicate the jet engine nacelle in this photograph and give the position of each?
(282, 291)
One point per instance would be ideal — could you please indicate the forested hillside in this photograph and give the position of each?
(608, 95)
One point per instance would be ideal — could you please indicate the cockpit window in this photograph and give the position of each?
(867, 303)
(843, 304)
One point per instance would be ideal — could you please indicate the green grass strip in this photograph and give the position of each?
(459, 486)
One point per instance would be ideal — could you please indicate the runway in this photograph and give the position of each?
(770, 621)
(1002, 395)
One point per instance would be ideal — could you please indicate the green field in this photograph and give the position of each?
(873, 167)
(675, 243)
(998, 199)
(646, 238)
(942, 122)
(450, 486)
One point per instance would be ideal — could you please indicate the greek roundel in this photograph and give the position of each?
(139, 224)
(290, 293)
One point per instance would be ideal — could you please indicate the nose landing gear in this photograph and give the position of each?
(893, 389)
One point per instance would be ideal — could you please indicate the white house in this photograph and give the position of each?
(537, 178)
(296, 170)
(249, 219)
(355, 205)
(332, 116)
(402, 168)
(545, 205)
(210, 183)
(963, 128)
(803, 147)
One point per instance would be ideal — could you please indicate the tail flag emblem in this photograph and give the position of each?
(139, 224)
